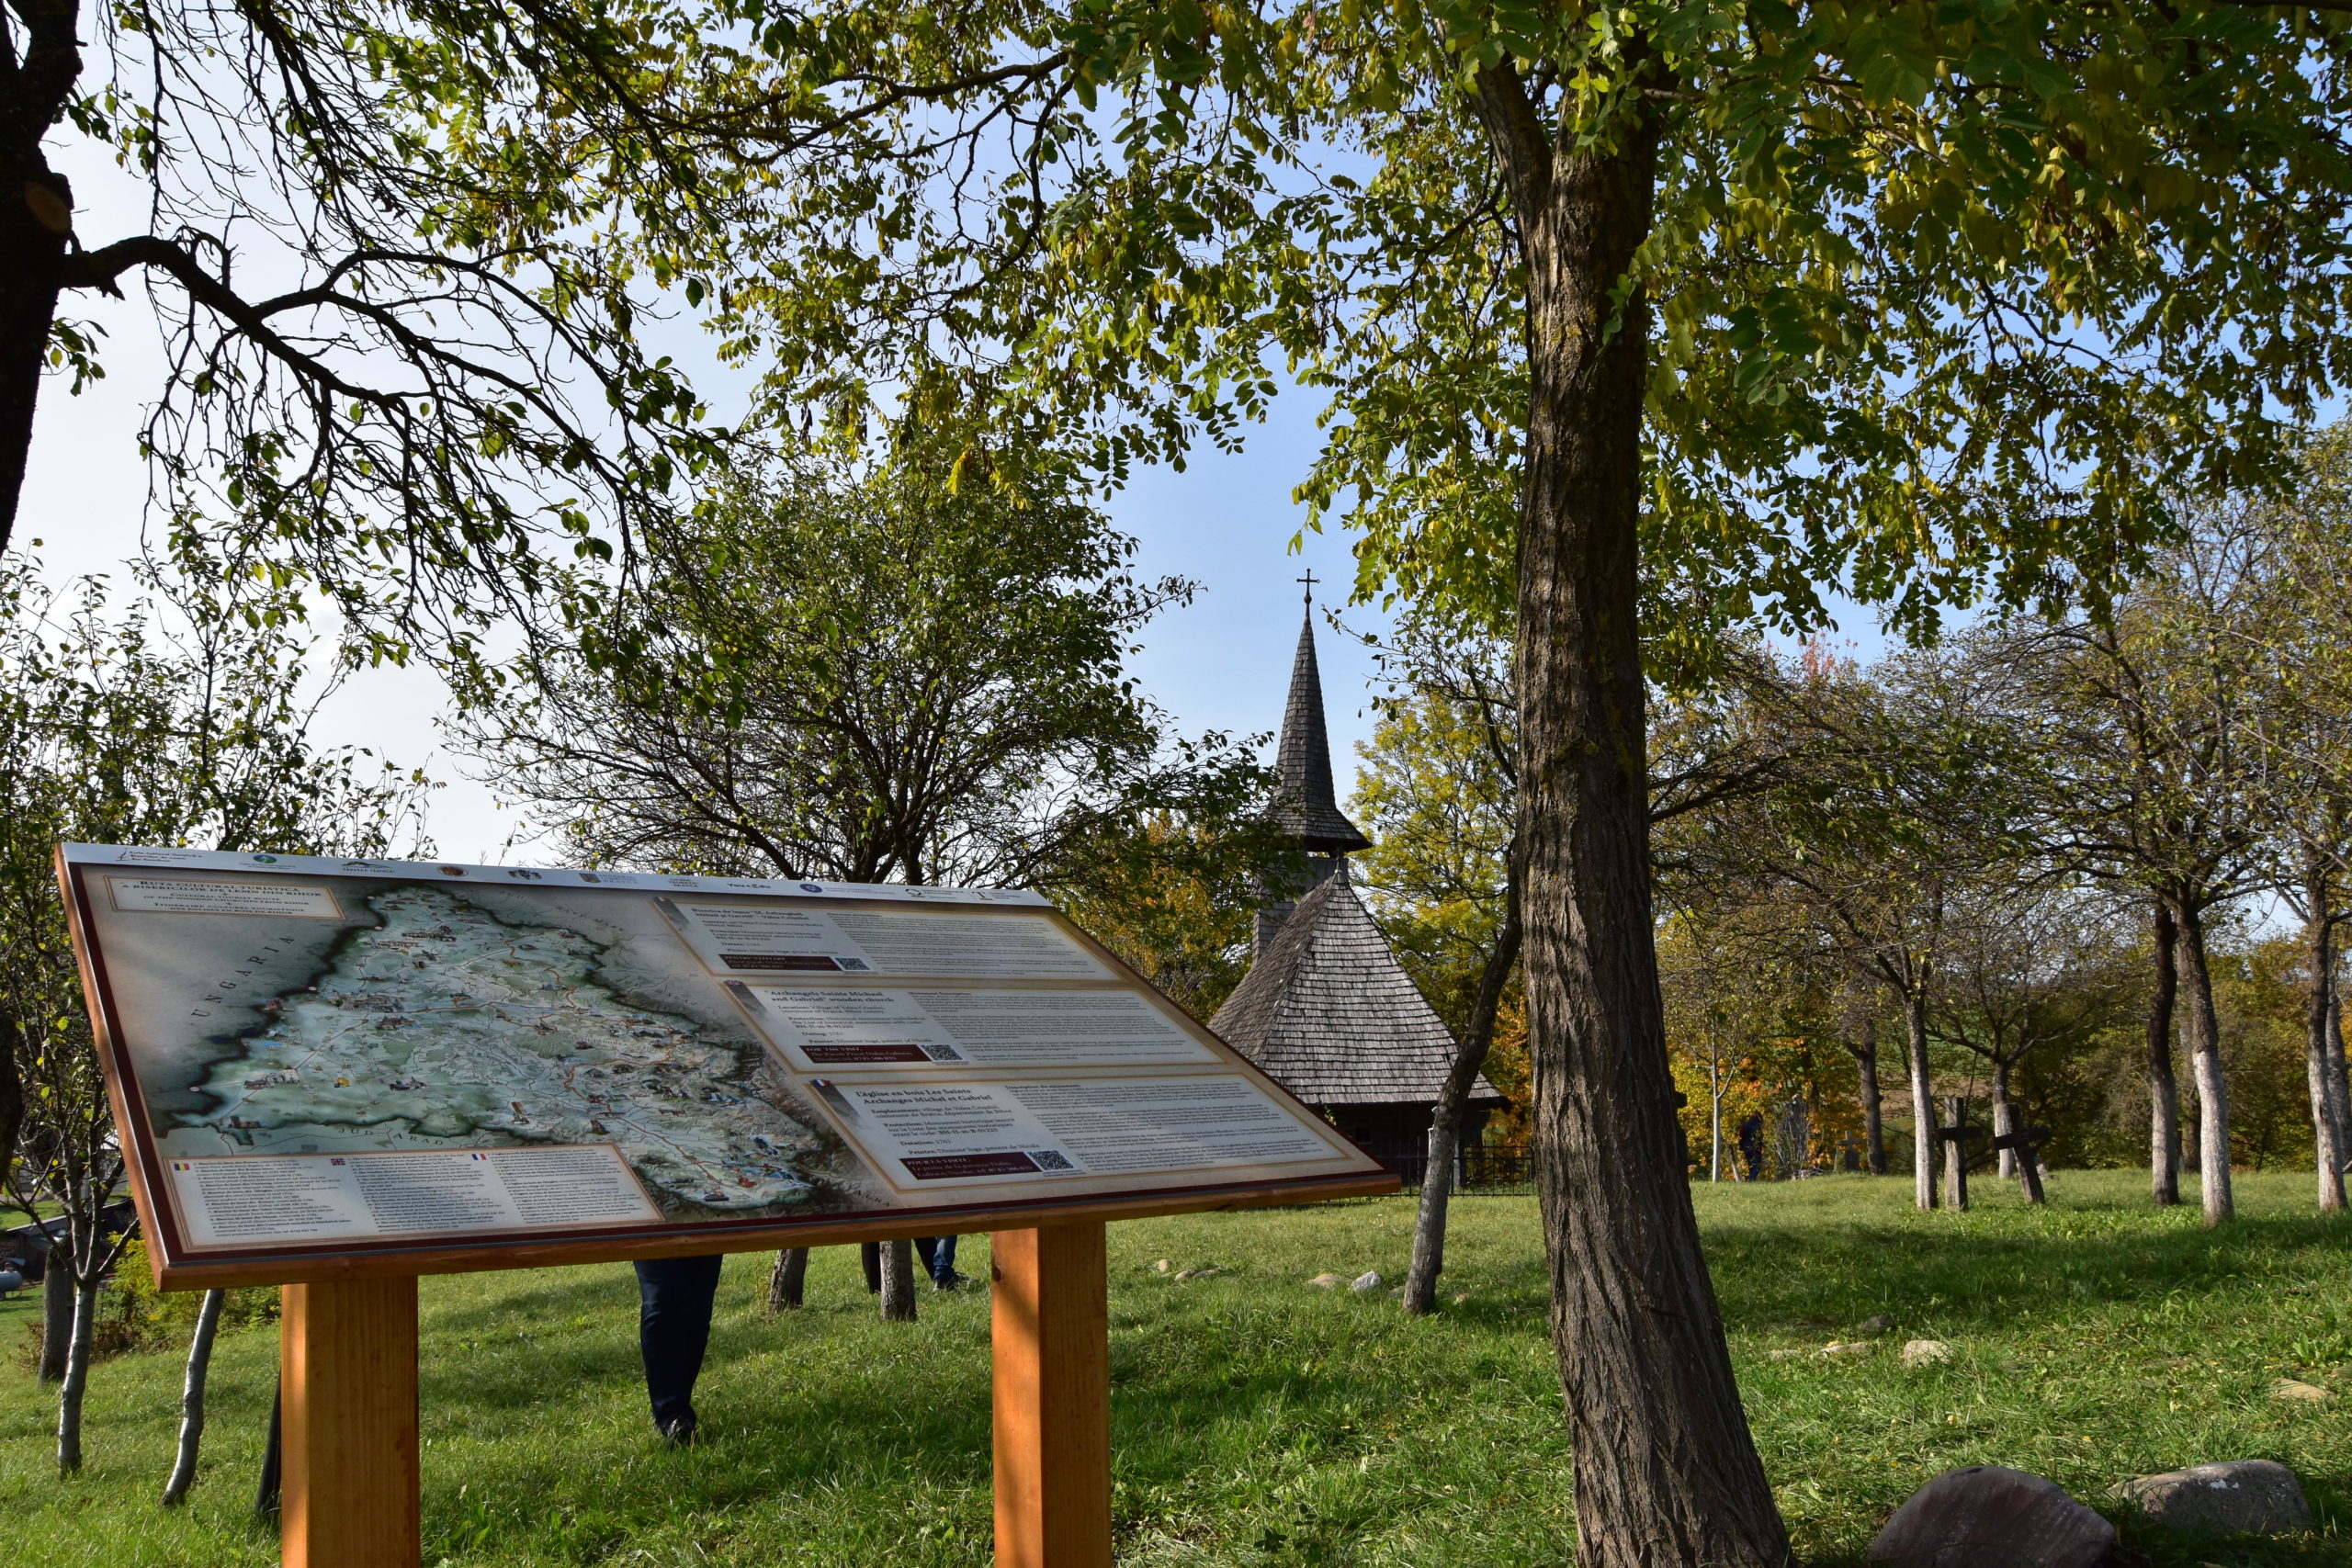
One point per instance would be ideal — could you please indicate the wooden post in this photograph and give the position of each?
(1955, 1138)
(1051, 1318)
(348, 1373)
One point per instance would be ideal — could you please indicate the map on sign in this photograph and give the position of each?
(317, 1054)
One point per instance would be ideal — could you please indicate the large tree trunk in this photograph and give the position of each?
(35, 205)
(1922, 1099)
(1453, 1097)
(199, 1367)
(899, 1281)
(2205, 1058)
(1666, 1472)
(56, 1310)
(2164, 1088)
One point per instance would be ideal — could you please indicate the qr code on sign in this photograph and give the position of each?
(1051, 1159)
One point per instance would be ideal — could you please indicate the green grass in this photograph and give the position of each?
(1258, 1422)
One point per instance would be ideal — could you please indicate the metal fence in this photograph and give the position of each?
(1485, 1166)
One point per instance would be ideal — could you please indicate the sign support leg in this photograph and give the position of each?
(1051, 1321)
(350, 1466)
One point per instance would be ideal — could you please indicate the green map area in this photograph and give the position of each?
(447, 1026)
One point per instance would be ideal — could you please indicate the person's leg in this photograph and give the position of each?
(674, 1296)
(924, 1246)
(941, 1260)
(870, 1254)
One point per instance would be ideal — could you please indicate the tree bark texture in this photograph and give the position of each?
(1453, 1097)
(1863, 1043)
(2340, 1089)
(266, 1487)
(786, 1279)
(1922, 1099)
(77, 1370)
(2004, 1119)
(199, 1367)
(1666, 1470)
(2205, 1059)
(898, 1282)
(35, 216)
(12, 1083)
(2164, 1088)
(1956, 1157)
(2320, 958)
(56, 1311)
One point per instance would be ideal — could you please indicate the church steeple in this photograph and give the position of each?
(1309, 807)
(1307, 811)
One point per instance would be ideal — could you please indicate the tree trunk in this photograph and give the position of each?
(2339, 1090)
(1666, 1472)
(1715, 1117)
(899, 1281)
(199, 1365)
(2164, 1088)
(35, 207)
(785, 1281)
(2205, 1058)
(1956, 1158)
(1446, 1126)
(2004, 1119)
(77, 1366)
(265, 1489)
(1864, 1047)
(1922, 1100)
(2320, 950)
(12, 1083)
(56, 1311)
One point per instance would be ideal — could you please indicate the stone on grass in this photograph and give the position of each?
(1989, 1517)
(2287, 1388)
(1782, 1355)
(1326, 1282)
(1878, 1324)
(1163, 1265)
(2253, 1495)
(1923, 1352)
(1366, 1282)
(1206, 1271)
(1847, 1348)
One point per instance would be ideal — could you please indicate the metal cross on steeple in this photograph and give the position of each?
(1309, 580)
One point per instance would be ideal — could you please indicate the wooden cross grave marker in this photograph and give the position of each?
(1956, 1137)
(2026, 1142)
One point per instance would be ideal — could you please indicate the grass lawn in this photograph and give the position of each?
(1257, 1421)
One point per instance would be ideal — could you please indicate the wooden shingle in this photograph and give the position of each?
(1328, 1012)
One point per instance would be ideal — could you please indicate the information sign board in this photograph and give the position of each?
(323, 1067)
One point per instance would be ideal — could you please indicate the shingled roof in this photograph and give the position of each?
(1330, 1015)
(1307, 806)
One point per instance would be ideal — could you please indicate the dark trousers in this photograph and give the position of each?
(673, 1298)
(938, 1254)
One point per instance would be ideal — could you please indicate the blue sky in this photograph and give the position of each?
(1225, 521)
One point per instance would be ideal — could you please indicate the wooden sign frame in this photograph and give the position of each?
(350, 1483)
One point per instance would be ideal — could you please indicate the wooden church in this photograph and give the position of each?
(1325, 1009)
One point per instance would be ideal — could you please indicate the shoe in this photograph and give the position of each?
(678, 1434)
(949, 1281)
